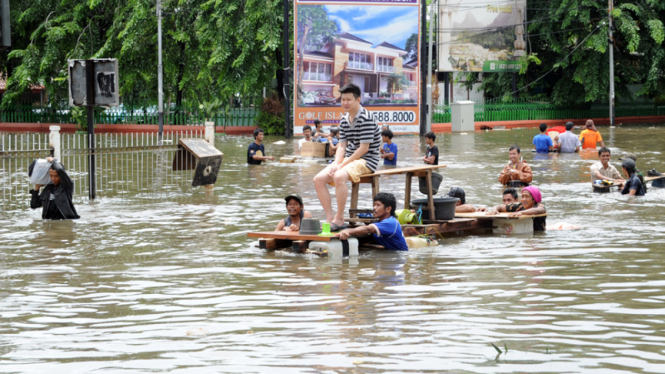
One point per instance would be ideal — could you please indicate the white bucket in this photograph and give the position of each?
(512, 226)
(334, 248)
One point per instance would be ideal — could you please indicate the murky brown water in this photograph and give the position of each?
(171, 283)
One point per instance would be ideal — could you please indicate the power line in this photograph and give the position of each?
(555, 65)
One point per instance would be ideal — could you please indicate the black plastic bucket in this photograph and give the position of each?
(444, 207)
(436, 182)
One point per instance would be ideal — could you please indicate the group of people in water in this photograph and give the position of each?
(362, 144)
(358, 145)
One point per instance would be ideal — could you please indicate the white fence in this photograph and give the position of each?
(127, 165)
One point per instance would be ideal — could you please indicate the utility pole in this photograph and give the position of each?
(160, 73)
(90, 110)
(285, 72)
(5, 22)
(611, 46)
(423, 68)
(428, 124)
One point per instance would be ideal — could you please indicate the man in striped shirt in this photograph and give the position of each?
(357, 154)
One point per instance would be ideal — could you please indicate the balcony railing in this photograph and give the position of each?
(360, 65)
(321, 77)
(411, 84)
(385, 68)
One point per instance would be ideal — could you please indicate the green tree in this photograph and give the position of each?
(411, 46)
(570, 38)
(314, 31)
(211, 49)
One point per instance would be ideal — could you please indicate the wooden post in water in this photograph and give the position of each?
(210, 138)
(54, 141)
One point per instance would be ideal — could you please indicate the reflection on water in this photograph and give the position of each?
(170, 282)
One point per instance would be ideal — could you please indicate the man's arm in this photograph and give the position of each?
(35, 200)
(496, 210)
(357, 231)
(529, 212)
(525, 173)
(364, 147)
(504, 177)
(430, 159)
(602, 144)
(280, 225)
(465, 208)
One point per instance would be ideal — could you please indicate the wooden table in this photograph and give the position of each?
(410, 172)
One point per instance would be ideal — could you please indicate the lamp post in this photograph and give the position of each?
(160, 73)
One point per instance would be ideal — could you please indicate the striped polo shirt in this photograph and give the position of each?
(362, 130)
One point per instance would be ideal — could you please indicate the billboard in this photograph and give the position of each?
(481, 38)
(373, 44)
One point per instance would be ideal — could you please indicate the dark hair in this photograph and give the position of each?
(352, 89)
(387, 133)
(431, 135)
(512, 192)
(458, 192)
(388, 200)
(257, 132)
(317, 122)
(306, 127)
(603, 150)
(569, 126)
(543, 127)
(288, 200)
(630, 166)
(515, 146)
(334, 130)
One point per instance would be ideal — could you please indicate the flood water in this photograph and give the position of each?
(170, 282)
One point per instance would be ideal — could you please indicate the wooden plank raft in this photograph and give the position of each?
(484, 216)
(299, 243)
(453, 226)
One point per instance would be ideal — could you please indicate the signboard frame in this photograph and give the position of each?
(399, 108)
(106, 89)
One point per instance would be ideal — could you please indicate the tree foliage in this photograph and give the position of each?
(570, 38)
(211, 48)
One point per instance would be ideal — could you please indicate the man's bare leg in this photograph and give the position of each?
(320, 181)
(341, 194)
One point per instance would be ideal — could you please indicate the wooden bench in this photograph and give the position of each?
(410, 172)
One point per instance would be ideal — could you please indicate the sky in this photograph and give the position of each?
(376, 24)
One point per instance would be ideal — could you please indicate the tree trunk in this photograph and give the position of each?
(301, 51)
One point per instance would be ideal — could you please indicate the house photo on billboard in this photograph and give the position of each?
(387, 73)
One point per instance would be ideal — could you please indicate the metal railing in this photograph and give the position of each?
(140, 115)
(127, 165)
(385, 68)
(360, 65)
(525, 111)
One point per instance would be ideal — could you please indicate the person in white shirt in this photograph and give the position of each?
(604, 170)
(307, 131)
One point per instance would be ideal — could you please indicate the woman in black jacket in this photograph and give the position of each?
(56, 198)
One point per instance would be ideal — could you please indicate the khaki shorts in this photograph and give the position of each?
(355, 170)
